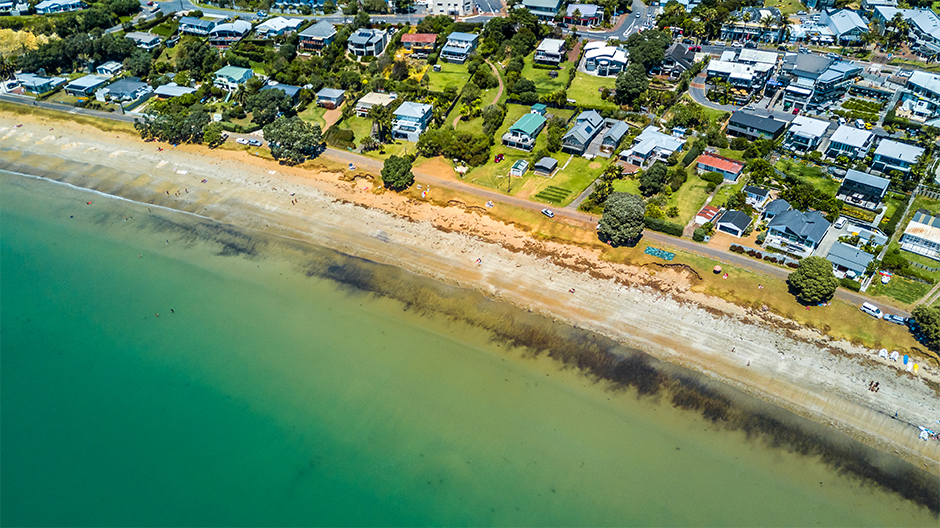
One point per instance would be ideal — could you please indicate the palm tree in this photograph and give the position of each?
(7, 67)
(765, 23)
(381, 117)
(240, 95)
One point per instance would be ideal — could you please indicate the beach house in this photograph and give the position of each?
(603, 60)
(144, 41)
(752, 126)
(756, 197)
(87, 85)
(330, 97)
(805, 134)
(110, 68)
(544, 9)
(587, 125)
(893, 155)
(172, 90)
(651, 145)
(419, 44)
(224, 35)
(613, 135)
(229, 77)
(550, 52)
(38, 84)
(458, 47)
(734, 223)
(317, 36)
(774, 208)
(196, 26)
(863, 190)
(851, 142)
(126, 89)
(727, 167)
(796, 233)
(290, 91)
(848, 261)
(523, 133)
(371, 99)
(367, 42)
(922, 235)
(411, 120)
(48, 7)
(278, 26)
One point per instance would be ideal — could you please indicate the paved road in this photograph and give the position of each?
(489, 6)
(336, 18)
(575, 217)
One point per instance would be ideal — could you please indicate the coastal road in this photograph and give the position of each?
(581, 219)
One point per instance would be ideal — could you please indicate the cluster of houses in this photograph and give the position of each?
(798, 234)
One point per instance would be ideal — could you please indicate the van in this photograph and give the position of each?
(872, 310)
(841, 120)
(860, 123)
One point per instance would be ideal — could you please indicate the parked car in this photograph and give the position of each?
(548, 213)
(840, 223)
(737, 44)
(832, 55)
(750, 45)
(255, 142)
(872, 310)
(782, 48)
(796, 111)
(637, 15)
(801, 13)
(262, 14)
(896, 319)
(241, 141)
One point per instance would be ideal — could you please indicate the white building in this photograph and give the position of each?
(278, 26)
(849, 141)
(922, 235)
(895, 156)
(603, 60)
(451, 7)
(47, 7)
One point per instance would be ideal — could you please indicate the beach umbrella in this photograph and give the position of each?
(717, 269)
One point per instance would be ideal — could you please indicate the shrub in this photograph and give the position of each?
(656, 224)
(698, 235)
(793, 265)
(850, 284)
(713, 178)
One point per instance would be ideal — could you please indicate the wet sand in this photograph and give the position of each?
(795, 369)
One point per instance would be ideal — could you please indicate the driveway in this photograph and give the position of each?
(697, 90)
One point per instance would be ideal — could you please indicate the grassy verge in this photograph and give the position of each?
(902, 290)
(724, 192)
(586, 89)
(451, 75)
(314, 114)
(813, 175)
(104, 124)
(787, 7)
(733, 154)
(543, 83)
(920, 65)
(689, 199)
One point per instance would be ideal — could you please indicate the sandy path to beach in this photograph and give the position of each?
(797, 369)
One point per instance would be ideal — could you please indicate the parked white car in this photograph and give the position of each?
(241, 141)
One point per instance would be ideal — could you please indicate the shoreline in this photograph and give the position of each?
(793, 369)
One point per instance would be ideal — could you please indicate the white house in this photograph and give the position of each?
(603, 60)
(110, 68)
(922, 235)
(278, 26)
(550, 51)
(849, 141)
(650, 146)
(47, 7)
(411, 120)
(367, 101)
(805, 134)
(367, 42)
(451, 7)
(895, 156)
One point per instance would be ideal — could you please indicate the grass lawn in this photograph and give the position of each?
(712, 114)
(543, 83)
(787, 7)
(474, 126)
(399, 148)
(166, 29)
(494, 175)
(573, 178)
(810, 174)
(627, 185)
(586, 89)
(724, 192)
(733, 154)
(891, 204)
(314, 114)
(689, 199)
(920, 65)
(360, 126)
(451, 74)
(902, 290)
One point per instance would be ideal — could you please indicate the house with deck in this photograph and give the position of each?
(523, 133)
(87, 85)
(419, 44)
(330, 98)
(224, 35)
(550, 52)
(38, 84)
(851, 142)
(895, 156)
(922, 235)
(126, 89)
(651, 145)
(367, 42)
(795, 232)
(144, 41)
(863, 190)
(278, 27)
(458, 47)
(756, 197)
(110, 68)
(805, 134)
(752, 126)
(727, 167)
(196, 26)
(613, 135)
(229, 77)
(48, 7)
(316, 37)
(848, 261)
(367, 101)
(587, 125)
(411, 120)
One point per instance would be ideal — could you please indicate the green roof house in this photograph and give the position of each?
(229, 77)
(522, 134)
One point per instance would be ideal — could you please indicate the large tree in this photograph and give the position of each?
(652, 181)
(631, 83)
(814, 280)
(292, 139)
(622, 222)
(266, 105)
(396, 173)
(928, 317)
(648, 48)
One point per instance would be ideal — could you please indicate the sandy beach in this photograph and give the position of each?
(760, 353)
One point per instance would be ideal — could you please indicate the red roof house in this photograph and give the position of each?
(707, 214)
(419, 43)
(727, 167)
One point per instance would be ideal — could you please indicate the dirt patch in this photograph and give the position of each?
(594, 165)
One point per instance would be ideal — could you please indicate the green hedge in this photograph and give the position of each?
(892, 225)
(658, 224)
(850, 284)
(691, 156)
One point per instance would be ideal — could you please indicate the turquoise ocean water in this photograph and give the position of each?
(262, 396)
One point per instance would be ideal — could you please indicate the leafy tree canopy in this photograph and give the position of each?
(292, 139)
(928, 317)
(631, 83)
(622, 222)
(814, 280)
(652, 181)
(396, 173)
(266, 105)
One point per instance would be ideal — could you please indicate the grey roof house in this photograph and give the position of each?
(86, 85)
(848, 261)
(613, 135)
(145, 41)
(39, 84)
(895, 156)
(775, 207)
(753, 126)
(546, 166)
(458, 47)
(795, 232)
(291, 91)
(127, 89)
(588, 124)
(734, 223)
(756, 196)
(172, 90)
(195, 26)
(317, 36)
(367, 42)
(849, 141)
(411, 120)
(330, 97)
(110, 68)
(863, 190)
(651, 145)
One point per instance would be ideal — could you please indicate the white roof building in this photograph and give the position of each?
(278, 26)
(755, 56)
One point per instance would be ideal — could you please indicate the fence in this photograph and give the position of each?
(927, 192)
(921, 266)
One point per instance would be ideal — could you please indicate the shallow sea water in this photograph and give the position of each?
(262, 396)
